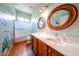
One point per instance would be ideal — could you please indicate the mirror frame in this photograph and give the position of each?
(44, 22)
(72, 17)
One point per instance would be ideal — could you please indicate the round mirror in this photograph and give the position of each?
(62, 17)
(59, 17)
(41, 23)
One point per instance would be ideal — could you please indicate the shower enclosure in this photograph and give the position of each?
(7, 28)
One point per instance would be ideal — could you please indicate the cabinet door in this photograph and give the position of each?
(53, 52)
(49, 51)
(34, 44)
(56, 53)
(42, 48)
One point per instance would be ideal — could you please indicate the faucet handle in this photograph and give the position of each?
(56, 34)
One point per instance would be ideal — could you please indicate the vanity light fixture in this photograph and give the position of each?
(42, 8)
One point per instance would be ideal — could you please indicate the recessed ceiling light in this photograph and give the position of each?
(43, 8)
(40, 10)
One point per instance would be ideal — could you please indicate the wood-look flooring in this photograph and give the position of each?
(21, 49)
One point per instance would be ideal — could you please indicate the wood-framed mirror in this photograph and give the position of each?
(41, 22)
(62, 17)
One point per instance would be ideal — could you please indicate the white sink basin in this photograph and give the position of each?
(46, 36)
(51, 39)
(58, 42)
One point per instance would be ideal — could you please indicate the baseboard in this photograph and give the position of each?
(21, 39)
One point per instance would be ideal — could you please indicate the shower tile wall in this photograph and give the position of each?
(6, 29)
(6, 25)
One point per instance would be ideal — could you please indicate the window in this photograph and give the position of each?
(23, 19)
(7, 16)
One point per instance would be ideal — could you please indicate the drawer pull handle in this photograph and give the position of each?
(45, 48)
(48, 50)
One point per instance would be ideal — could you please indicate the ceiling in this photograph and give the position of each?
(30, 7)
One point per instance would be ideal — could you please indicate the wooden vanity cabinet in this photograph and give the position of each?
(34, 44)
(49, 51)
(42, 48)
(53, 52)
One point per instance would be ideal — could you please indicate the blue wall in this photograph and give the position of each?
(24, 29)
(6, 30)
(6, 23)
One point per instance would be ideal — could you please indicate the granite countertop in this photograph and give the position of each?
(71, 49)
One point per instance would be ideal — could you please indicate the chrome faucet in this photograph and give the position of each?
(60, 37)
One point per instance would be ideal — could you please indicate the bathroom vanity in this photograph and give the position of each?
(43, 45)
(42, 49)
